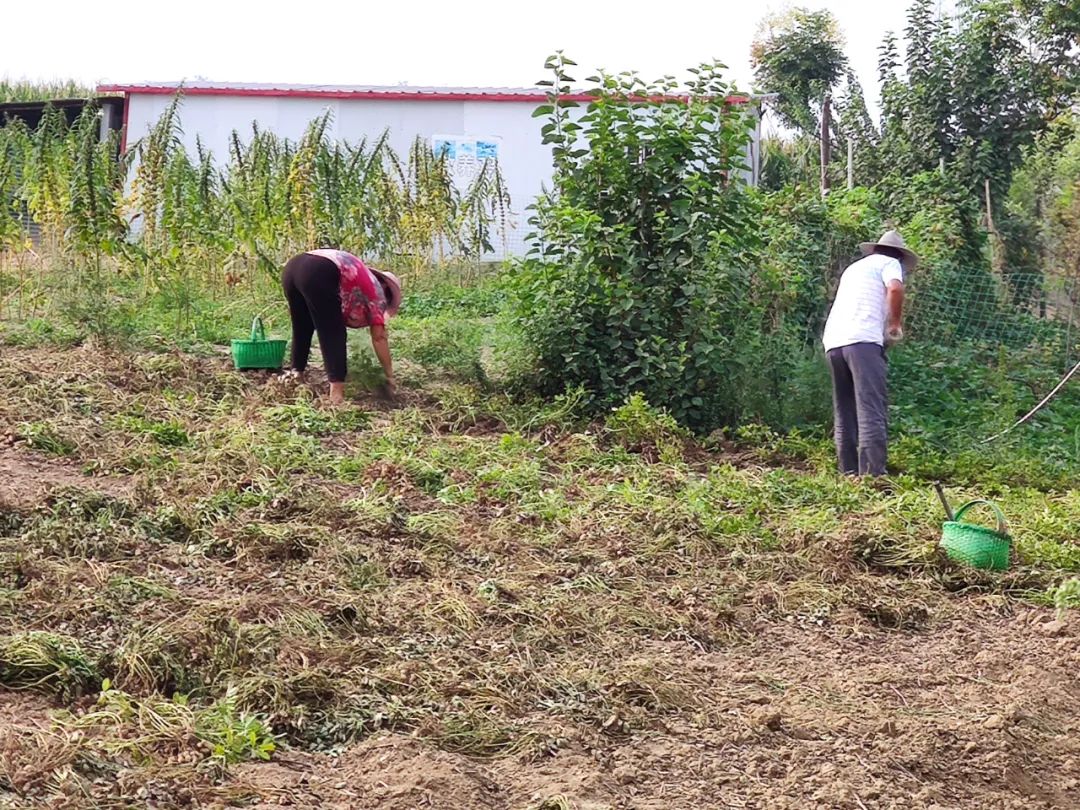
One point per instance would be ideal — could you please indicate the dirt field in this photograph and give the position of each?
(957, 717)
(434, 606)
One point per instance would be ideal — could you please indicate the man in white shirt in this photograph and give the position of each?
(865, 318)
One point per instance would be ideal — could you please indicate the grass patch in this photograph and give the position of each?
(46, 438)
(49, 663)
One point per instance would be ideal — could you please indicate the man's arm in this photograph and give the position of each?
(894, 308)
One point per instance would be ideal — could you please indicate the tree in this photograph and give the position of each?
(930, 101)
(854, 126)
(1052, 32)
(977, 87)
(799, 54)
(645, 245)
(1044, 199)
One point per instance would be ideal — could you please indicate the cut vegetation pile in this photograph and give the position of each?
(215, 591)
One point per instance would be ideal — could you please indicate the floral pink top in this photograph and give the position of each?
(363, 299)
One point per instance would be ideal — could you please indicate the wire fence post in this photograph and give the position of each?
(990, 227)
(826, 147)
(850, 164)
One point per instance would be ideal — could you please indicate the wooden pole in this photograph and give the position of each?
(826, 151)
(850, 163)
(990, 224)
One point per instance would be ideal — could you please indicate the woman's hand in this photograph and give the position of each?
(381, 345)
(390, 388)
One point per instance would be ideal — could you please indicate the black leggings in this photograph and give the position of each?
(312, 288)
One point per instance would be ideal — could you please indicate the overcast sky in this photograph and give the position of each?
(420, 42)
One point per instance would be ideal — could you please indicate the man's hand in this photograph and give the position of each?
(893, 334)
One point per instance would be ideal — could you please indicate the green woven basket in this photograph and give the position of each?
(977, 546)
(258, 352)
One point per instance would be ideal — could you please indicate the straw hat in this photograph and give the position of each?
(893, 239)
(392, 285)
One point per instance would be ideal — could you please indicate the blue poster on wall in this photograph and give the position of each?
(445, 147)
(465, 155)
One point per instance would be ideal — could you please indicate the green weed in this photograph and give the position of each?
(81, 525)
(234, 735)
(47, 662)
(167, 434)
(1066, 595)
(638, 426)
(307, 419)
(128, 591)
(45, 437)
(156, 724)
(449, 345)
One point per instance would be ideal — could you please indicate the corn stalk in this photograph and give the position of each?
(190, 225)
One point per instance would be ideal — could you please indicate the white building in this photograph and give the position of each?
(471, 122)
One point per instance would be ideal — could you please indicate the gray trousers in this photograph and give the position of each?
(860, 408)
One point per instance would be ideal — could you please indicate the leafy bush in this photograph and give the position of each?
(658, 272)
(647, 242)
(954, 296)
(806, 245)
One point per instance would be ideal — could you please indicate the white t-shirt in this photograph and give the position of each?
(858, 313)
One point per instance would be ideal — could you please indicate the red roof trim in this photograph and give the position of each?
(366, 95)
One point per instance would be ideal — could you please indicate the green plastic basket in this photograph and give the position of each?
(977, 546)
(258, 352)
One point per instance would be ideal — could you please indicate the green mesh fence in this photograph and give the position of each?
(1031, 321)
(1012, 310)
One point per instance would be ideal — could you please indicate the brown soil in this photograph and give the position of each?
(27, 477)
(977, 714)
(22, 710)
(21, 715)
(975, 706)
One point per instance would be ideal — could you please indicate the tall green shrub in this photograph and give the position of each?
(647, 240)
